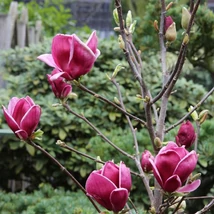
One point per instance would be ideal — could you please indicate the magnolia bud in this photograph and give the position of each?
(118, 68)
(158, 142)
(155, 24)
(185, 18)
(186, 135)
(203, 116)
(145, 163)
(132, 26)
(186, 39)
(116, 17)
(121, 42)
(171, 33)
(169, 6)
(194, 114)
(129, 19)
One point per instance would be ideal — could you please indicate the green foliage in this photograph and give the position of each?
(4, 6)
(45, 200)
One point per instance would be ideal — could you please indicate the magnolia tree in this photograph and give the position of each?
(167, 172)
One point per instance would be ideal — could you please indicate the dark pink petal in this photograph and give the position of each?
(21, 134)
(62, 51)
(118, 199)
(145, 163)
(92, 42)
(83, 59)
(156, 173)
(111, 171)
(186, 166)
(172, 184)
(125, 180)
(170, 145)
(190, 187)
(167, 22)
(10, 120)
(66, 90)
(181, 151)
(31, 119)
(12, 105)
(48, 59)
(100, 188)
(22, 106)
(29, 100)
(166, 163)
(56, 76)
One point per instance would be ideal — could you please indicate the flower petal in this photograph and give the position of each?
(92, 43)
(172, 184)
(12, 105)
(186, 166)
(48, 59)
(111, 171)
(166, 162)
(62, 51)
(125, 180)
(118, 199)
(99, 187)
(190, 187)
(21, 134)
(10, 120)
(156, 173)
(31, 119)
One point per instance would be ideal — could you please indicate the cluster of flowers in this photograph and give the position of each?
(109, 186)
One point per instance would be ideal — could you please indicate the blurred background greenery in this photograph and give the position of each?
(24, 75)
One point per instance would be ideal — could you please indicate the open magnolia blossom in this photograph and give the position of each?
(172, 166)
(72, 57)
(22, 116)
(110, 186)
(60, 88)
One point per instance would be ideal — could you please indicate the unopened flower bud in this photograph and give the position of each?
(116, 17)
(186, 135)
(169, 6)
(145, 163)
(132, 26)
(155, 24)
(185, 18)
(186, 39)
(129, 19)
(118, 68)
(194, 114)
(158, 142)
(203, 116)
(116, 100)
(171, 33)
(121, 42)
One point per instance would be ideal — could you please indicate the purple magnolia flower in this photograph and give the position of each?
(60, 88)
(186, 135)
(110, 186)
(71, 56)
(172, 166)
(22, 116)
(145, 162)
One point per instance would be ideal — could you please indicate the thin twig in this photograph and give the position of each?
(66, 106)
(206, 207)
(82, 87)
(193, 109)
(63, 170)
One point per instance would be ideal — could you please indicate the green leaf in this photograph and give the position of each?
(31, 150)
(62, 134)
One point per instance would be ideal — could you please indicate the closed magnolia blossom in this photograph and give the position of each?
(169, 29)
(60, 88)
(72, 57)
(110, 186)
(186, 135)
(22, 116)
(172, 166)
(145, 163)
